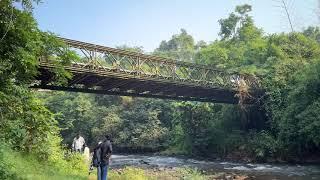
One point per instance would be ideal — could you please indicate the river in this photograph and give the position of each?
(259, 171)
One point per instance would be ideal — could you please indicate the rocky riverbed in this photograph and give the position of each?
(165, 167)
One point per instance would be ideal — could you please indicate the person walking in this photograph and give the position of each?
(78, 143)
(106, 151)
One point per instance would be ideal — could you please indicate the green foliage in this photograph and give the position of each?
(23, 44)
(5, 165)
(228, 26)
(132, 49)
(129, 173)
(286, 64)
(180, 47)
(17, 165)
(263, 145)
(142, 122)
(32, 147)
(25, 122)
(298, 123)
(197, 116)
(19, 47)
(216, 129)
(237, 22)
(76, 164)
(313, 33)
(191, 174)
(27, 4)
(132, 122)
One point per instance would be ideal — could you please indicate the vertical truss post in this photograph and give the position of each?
(138, 66)
(173, 69)
(94, 60)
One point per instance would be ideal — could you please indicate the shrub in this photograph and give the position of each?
(17, 165)
(262, 145)
(191, 174)
(76, 164)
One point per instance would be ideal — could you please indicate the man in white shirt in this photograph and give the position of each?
(78, 143)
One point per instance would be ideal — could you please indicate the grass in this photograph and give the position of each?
(25, 166)
(130, 173)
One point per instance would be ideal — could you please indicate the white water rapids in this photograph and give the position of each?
(264, 171)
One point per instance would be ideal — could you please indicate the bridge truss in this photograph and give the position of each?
(106, 70)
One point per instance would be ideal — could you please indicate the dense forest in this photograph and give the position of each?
(284, 125)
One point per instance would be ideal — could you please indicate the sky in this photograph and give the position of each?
(147, 22)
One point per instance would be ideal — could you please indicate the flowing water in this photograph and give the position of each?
(259, 171)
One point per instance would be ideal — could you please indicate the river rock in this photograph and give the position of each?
(144, 162)
(242, 177)
(218, 176)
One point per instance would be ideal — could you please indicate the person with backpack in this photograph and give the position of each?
(101, 156)
(106, 151)
(96, 160)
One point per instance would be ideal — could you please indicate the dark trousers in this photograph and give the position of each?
(99, 172)
(103, 172)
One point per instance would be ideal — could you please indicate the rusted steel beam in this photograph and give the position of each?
(99, 81)
(168, 90)
(78, 79)
(117, 84)
(121, 93)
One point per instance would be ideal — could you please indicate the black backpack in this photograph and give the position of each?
(96, 159)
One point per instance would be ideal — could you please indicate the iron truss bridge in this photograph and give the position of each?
(105, 70)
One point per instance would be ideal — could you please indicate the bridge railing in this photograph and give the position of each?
(104, 59)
